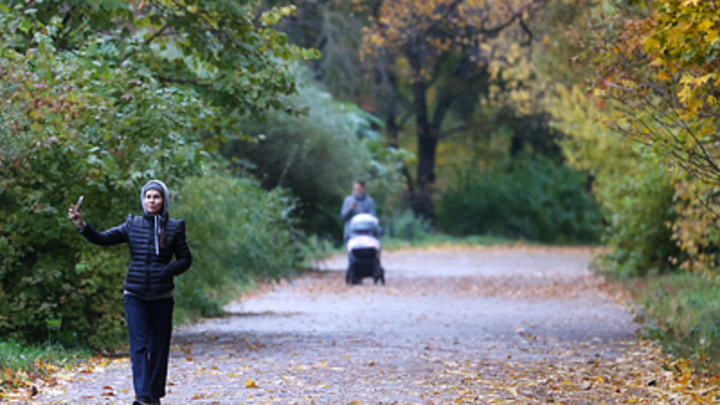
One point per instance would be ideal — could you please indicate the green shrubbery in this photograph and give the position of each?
(682, 311)
(636, 192)
(640, 207)
(238, 233)
(94, 121)
(405, 225)
(77, 123)
(531, 198)
(85, 138)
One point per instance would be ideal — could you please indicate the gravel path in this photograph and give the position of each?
(453, 325)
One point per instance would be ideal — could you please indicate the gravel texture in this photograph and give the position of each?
(452, 325)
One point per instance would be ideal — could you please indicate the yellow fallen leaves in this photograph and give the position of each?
(637, 373)
(250, 383)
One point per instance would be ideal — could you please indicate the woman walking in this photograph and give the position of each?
(153, 238)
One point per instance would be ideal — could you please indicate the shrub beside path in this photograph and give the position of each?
(506, 325)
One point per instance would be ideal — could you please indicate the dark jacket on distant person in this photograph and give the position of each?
(365, 205)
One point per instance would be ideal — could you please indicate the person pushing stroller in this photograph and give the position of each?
(362, 237)
(356, 203)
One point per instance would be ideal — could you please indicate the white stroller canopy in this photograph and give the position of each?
(364, 218)
(363, 241)
(364, 222)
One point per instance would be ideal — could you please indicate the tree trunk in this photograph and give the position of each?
(427, 139)
(427, 146)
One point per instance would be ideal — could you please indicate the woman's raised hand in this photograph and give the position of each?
(75, 217)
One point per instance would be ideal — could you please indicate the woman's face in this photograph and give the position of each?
(358, 189)
(153, 202)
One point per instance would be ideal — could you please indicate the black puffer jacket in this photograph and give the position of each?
(148, 274)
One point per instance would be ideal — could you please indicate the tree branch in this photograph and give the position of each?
(149, 40)
(157, 34)
(525, 28)
(164, 79)
(440, 112)
(517, 15)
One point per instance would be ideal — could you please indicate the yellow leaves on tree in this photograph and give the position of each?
(443, 47)
(442, 25)
(684, 39)
(659, 71)
(677, 44)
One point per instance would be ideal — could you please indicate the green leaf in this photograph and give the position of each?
(25, 26)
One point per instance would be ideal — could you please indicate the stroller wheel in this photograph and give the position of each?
(348, 276)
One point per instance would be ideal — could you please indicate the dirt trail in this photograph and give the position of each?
(453, 325)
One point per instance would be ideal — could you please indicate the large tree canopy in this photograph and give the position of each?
(226, 50)
(98, 97)
(661, 65)
(656, 66)
(445, 49)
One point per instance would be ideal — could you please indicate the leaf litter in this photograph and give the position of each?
(505, 325)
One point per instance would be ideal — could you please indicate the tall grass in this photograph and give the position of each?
(22, 363)
(682, 311)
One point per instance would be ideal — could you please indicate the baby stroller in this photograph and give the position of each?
(363, 248)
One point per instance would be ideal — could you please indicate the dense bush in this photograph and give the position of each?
(639, 207)
(530, 198)
(675, 117)
(71, 128)
(238, 233)
(406, 225)
(91, 121)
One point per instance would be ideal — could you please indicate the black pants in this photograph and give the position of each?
(149, 326)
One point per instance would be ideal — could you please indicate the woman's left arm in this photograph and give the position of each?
(183, 257)
(112, 236)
